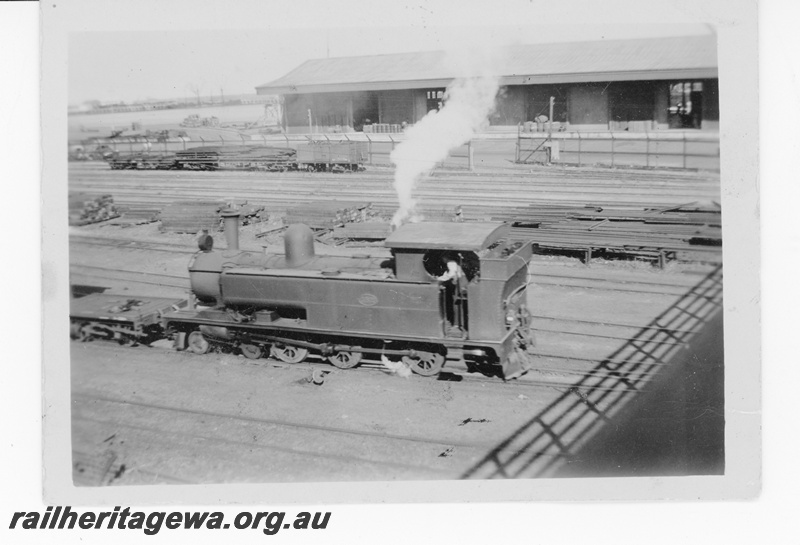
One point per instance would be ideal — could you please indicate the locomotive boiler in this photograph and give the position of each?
(345, 308)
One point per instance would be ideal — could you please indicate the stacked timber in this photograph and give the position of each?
(329, 214)
(191, 216)
(84, 209)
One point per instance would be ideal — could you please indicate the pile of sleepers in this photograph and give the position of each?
(251, 157)
(248, 213)
(329, 214)
(196, 216)
(84, 209)
(191, 216)
(137, 214)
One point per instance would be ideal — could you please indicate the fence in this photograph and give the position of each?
(684, 150)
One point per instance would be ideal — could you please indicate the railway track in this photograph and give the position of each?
(220, 434)
(576, 402)
(595, 279)
(603, 334)
(167, 425)
(130, 276)
(551, 324)
(609, 279)
(551, 195)
(131, 244)
(582, 188)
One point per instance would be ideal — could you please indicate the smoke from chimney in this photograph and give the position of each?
(469, 100)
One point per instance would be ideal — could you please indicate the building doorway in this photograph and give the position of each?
(434, 99)
(686, 105)
(365, 109)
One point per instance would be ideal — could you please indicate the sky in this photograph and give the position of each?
(137, 65)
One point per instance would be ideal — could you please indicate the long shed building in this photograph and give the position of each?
(635, 85)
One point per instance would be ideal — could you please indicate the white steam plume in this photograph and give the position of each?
(469, 101)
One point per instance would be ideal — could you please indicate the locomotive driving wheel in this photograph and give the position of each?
(197, 343)
(345, 360)
(251, 351)
(426, 364)
(288, 353)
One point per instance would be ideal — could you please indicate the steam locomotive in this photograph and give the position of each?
(343, 308)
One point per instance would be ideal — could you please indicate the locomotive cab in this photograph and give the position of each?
(492, 272)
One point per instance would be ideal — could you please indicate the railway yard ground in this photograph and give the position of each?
(627, 376)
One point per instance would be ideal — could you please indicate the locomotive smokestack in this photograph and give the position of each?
(298, 244)
(231, 221)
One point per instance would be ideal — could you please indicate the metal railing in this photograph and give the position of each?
(682, 150)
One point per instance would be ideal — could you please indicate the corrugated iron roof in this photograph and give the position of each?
(612, 60)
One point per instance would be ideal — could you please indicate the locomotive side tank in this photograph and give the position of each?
(345, 307)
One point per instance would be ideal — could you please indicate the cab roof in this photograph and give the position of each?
(447, 236)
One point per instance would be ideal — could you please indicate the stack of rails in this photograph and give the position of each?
(376, 187)
(329, 214)
(236, 158)
(654, 248)
(690, 234)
